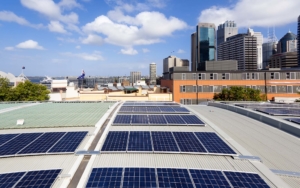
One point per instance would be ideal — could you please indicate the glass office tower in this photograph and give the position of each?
(298, 41)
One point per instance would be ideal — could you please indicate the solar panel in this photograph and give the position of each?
(43, 143)
(174, 120)
(152, 109)
(69, 142)
(6, 137)
(15, 145)
(164, 142)
(166, 109)
(180, 109)
(192, 120)
(139, 119)
(188, 142)
(42, 178)
(242, 179)
(122, 119)
(213, 143)
(209, 178)
(295, 120)
(174, 178)
(157, 120)
(139, 141)
(139, 177)
(105, 177)
(280, 111)
(10, 179)
(140, 109)
(126, 109)
(116, 141)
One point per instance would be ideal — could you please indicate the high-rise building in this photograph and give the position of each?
(226, 30)
(288, 43)
(134, 76)
(298, 41)
(173, 61)
(259, 42)
(240, 47)
(152, 73)
(269, 49)
(205, 48)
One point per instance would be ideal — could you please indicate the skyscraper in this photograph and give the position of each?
(288, 43)
(298, 41)
(226, 30)
(203, 45)
(134, 76)
(259, 42)
(152, 73)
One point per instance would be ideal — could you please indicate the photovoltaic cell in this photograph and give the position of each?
(153, 109)
(180, 109)
(192, 120)
(69, 142)
(166, 109)
(15, 145)
(139, 141)
(209, 178)
(43, 143)
(105, 177)
(42, 178)
(139, 119)
(164, 142)
(139, 177)
(140, 109)
(122, 119)
(176, 178)
(188, 142)
(174, 119)
(213, 143)
(126, 109)
(157, 119)
(115, 141)
(6, 137)
(10, 179)
(241, 179)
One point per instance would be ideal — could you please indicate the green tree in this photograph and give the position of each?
(29, 91)
(236, 93)
(5, 89)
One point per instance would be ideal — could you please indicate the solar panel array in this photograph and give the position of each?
(150, 104)
(187, 120)
(153, 109)
(40, 143)
(30, 179)
(267, 105)
(171, 177)
(294, 120)
(165, 142)
(280, 111)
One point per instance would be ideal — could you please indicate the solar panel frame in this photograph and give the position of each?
(111, 146)
(5, 138)
(209, 178)
(122, 120)
(249, 179)
(174, 120)
(192, 120)
(164, 142)
(139, 120)
(157, 120)
(139, 177)
(188, 143)
(139, 142)
(174, 177)
(214, 144)
(105, 177)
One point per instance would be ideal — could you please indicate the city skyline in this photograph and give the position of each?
(114, 37)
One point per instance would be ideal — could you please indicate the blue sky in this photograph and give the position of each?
(114, 37)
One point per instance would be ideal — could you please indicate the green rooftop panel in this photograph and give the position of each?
(10, 105)
(55, 115)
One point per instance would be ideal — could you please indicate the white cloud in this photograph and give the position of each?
(12, 17)
(93, 39)
(145, 50)
(145, 28)
(249, 13)
(180, 51)
(56, 26)
(129, 51)
(78, 47)
(9, 48)
(30, 44)
(50, 9)
(85, 56)
(69, 4)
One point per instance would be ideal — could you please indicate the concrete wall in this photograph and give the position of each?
(277, 123)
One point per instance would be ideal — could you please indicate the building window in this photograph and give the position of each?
(194, 76)
(275, 76)
(200, 88)
(291, 75)
(195, 89)
(246, 76)
(225, 76)
(255, 76)
(248, 87)
(201, 76)
(183, 76)
(254, 87)
(273, 89)
(289, 89)
(182, 89)
(211, 89)
(213, 76)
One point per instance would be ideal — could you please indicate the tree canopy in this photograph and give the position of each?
(26, 91)
(236, 93)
